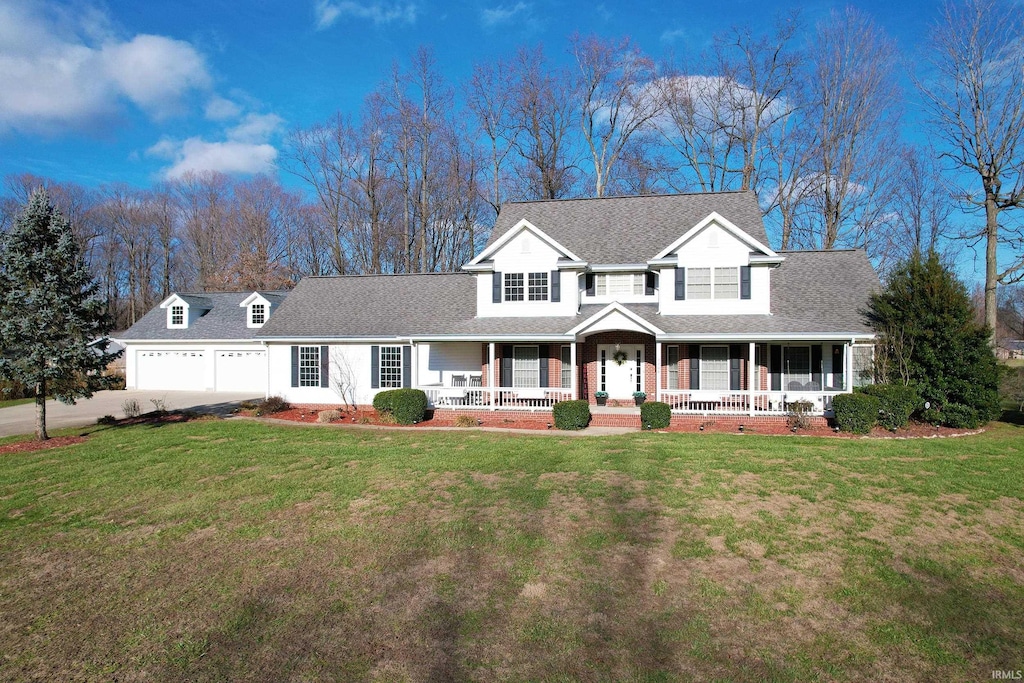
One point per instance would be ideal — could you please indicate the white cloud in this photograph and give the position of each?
(502, 14)
(61, 70)
(219, 108)
(378, 11)
(671, 36)
(228, 156)
(245, 150)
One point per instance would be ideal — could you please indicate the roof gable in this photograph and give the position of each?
(714, 218)
(519, 228)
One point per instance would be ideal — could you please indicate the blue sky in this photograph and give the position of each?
(135, 91)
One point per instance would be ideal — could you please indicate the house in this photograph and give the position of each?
(201, 342)
(677, 296)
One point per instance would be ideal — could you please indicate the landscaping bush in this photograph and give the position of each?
(799, 414)
(465, 421)
(899, 402)
(655, 415)
(959, 416)
(130, 407)
(408, 406)
(269, 406)
(382, 401)
(327, 416)
(571, 415)
(856, 413)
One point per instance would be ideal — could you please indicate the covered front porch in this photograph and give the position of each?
(697, 377)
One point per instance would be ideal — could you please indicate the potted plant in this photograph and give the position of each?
(602, 397)
(639, 397)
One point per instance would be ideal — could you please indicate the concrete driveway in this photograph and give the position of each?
(21, 419)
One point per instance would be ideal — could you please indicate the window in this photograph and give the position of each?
(618, 284)
(538, 286)
(309, 366)
(259, 314)
(672, 356)
(391, 367)
(514, 287)
(727, 283)
(526, 366)
(796, 363)
(714, 368)
(863, 365)
(178, 316)
(566, 367)
(699, 283)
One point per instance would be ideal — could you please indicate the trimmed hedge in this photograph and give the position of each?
(856, 413)
(655, 415)
(899, 402)
(408, 406)
(382, 401)
(571, 415)
(959, 416)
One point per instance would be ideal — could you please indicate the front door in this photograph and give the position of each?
(622, 368)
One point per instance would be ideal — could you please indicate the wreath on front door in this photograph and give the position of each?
(619, 357)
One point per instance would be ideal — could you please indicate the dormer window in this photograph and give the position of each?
(258, 315)
(177, 316)
(538, 287)
(618, 284)
(713, 283)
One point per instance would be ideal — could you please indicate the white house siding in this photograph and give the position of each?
(196, 366)
(440, 360)
(710, 248)
(527, 253)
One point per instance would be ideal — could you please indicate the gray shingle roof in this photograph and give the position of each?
(224, 319)
(615, 230)
(819, 292)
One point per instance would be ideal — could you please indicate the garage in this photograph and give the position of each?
(170, 370)
(241, 370)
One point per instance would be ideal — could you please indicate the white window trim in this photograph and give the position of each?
(506, 288)
(516, 361)
(184, 317)
(310, 353)
(711, 281)
(251, 313)
(391, 382)
(704, 364)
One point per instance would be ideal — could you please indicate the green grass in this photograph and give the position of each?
(7, 403)
(233, 550)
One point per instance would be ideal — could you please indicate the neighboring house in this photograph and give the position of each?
(677, 296)
(201, 342)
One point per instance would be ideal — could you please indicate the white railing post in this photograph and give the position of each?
(574, 378)
(657, 370)
(751, 374)
(490, 376)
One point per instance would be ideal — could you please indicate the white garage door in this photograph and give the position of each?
(241, 371)
(171, 370)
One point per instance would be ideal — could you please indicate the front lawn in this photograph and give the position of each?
(233, 550)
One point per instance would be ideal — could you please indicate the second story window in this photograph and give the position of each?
(538, 287)
(259, 314)
(619, 284)
(713, 283)
(514, 290)
(177, 316)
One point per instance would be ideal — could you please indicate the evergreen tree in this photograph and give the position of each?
(50, 316)
(929, 338)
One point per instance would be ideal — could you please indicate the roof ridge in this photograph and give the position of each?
(820, 251)
(369, 275)
(625, 196)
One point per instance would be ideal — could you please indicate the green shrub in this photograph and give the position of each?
(408, 406)
(571, 415)
(856, 413)
(382, 402)
(655, 415)
(959, 416)
(899, 402)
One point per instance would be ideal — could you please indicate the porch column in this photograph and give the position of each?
(752, 375)
(414, 370)
(848, 370)
(490, 373)
(657, 370)
(574, 375)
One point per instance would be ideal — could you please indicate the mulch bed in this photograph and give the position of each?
(27, 446)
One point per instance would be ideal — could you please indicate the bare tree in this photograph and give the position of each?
(922, 204)
(615, 104)
(489, 99)
(976, 103)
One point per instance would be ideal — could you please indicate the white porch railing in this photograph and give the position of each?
(494, 398)
(693, 402)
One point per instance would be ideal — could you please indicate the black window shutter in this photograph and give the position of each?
(735, 379)
(744, 282)
(680, 284)
(325, 367)
(816, 366)
(590, 284)
(649, 284)
(694, 366)
(775, 367)
(295, 366)
(556, 286)
(375, 367)
(506, 365)
(407, 366)
(496, 287)
(544, 352)
(838, 366)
